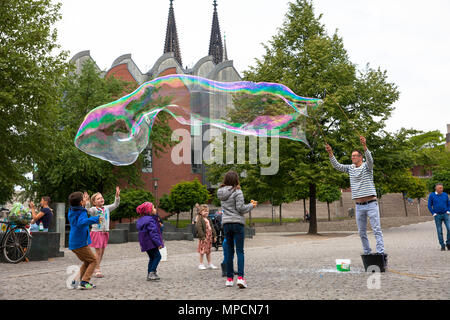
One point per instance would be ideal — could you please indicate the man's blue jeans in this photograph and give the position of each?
(234, 233)
(370, 211)
(438, 219)
(155, 258)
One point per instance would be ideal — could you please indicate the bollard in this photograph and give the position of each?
(61, 222)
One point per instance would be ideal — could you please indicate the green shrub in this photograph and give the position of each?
(130, 199)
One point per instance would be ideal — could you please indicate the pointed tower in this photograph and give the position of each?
(225, 54)
(215, 43)
(171, 44)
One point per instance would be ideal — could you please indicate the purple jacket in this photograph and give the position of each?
(150, 236)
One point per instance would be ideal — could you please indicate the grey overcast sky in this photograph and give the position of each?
(408, 38)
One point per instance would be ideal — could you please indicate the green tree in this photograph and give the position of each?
(440, 176)
(328, 193)
(30, 73)
(417, 190)
(307, 60)
(184, 195)
(130, 199)
(166, 204)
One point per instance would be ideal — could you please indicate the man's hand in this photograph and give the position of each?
(363, 142)
(85, 197)
(329, 150)
(117, 191)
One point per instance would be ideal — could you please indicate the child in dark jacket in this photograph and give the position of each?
(79, 238)
(150, 237)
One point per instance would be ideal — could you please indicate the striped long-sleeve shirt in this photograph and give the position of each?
(361, 178)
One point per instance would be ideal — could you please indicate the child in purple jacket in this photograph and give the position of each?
(150, 237)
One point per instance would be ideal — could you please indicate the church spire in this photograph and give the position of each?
(171, 44)
(225, 54)
(215, 43)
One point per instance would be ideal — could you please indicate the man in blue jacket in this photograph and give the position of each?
(439, 206)
(79, 238)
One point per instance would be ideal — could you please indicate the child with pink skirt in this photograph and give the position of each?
(100, 232)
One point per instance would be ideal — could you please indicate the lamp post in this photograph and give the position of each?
(155, 186)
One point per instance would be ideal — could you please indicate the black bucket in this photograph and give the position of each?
(375, 259)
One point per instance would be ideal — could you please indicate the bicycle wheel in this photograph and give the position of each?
(16, 244)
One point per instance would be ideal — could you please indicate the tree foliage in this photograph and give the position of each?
(130, 199)
(29, 91)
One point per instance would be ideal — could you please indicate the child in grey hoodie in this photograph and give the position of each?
(233, 220)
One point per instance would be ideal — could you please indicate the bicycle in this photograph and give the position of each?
(16, 242)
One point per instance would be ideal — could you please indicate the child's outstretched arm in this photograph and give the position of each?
(116, 203)
(85, 221)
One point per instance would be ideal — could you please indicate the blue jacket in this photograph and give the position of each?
(79, 227)
(150, 236)
(438, 203)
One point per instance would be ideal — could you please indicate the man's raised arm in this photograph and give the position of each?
(334, 162)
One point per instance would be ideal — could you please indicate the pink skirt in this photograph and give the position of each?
(99, 239)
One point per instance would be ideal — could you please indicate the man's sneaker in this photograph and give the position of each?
(73, 285)
(443, 248)
(229, 282)
(156, 275)
(201, 267)
(211, 266)
(241, 283)
(85, 286)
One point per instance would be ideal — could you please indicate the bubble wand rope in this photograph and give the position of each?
(351, 123)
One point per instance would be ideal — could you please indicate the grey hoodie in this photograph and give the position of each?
(233, 206)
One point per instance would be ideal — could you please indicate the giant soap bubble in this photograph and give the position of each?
(119, 131)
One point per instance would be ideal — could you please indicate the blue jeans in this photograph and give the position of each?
(155, 258)
(370, 211)
(438, 219)
(225, 250)
(234, 234)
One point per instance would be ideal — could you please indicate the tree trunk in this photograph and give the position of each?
(178, 215)
(312, 209)
(280, 212)
(329, 217)
(404, 204)
(271, 204)
(192, 211)
(250, 218)
(304, 209)
(418, 206)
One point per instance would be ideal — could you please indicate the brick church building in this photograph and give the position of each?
(161, 173)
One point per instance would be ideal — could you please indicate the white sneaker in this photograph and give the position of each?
(201, 267)
(241, 283)
(229, 282)
(211, 266)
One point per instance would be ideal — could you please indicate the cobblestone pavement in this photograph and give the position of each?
(278, 266)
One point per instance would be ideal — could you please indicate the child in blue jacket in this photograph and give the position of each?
(79, 238)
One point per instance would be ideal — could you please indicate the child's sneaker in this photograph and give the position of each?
(85, 286)
(201, 267)
(73, 285)
(211, 266)
(241, 283)
(229, 282)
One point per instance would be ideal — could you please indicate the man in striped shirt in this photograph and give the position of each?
(364, 194)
